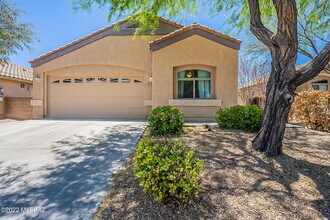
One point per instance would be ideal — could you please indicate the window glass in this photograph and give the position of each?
(320, 84)
(186, 89)
(22, 86)
(189, 74)
(66, 80)
(137, 81)
(113, 80)
(203, 89)
(323, 87)
(315, 87)
(90, 80)
(102, 80)
(56, 81)
(194, 84)
(78, 80)
(125, 80)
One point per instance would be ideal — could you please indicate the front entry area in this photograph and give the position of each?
(96, 96)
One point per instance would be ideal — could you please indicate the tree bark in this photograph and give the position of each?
(279, 99)
(284, 78)
(280, 94)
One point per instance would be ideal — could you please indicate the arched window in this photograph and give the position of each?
(194, 84)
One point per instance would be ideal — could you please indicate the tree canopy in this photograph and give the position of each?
(314, 12)
(14, 35)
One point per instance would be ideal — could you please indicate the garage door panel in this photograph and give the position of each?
(95, 100)
(96, 112)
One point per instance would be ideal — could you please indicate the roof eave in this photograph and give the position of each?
(16, 79)
(34, 61)
(194, 30)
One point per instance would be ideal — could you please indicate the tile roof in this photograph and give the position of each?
(97, 32)
(192, 26)
(16, 71)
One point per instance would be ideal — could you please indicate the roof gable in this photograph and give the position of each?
(125, 28)
(194, 29)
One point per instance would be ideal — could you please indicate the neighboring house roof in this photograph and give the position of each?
(103, 32)
(16, 72)
(195, 29)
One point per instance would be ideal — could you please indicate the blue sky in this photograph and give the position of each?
(57, 24)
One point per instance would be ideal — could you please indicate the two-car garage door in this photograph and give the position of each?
(96, 96)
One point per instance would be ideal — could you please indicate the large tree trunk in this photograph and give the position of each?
(284, 78)
(277, 107)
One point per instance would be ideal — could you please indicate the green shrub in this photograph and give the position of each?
(166, 120)
(167, 169)
(246, 118)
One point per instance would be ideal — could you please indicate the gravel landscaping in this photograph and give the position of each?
(238, 182)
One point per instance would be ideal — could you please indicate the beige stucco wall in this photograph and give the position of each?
(12, 88)
(109, 55)
(196, 52)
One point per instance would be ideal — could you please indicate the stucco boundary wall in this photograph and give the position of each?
(18, 108)
(2, 109)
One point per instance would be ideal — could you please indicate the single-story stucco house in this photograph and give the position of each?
(15, 91)
(112, 74)
(254, 94)
(15, 80)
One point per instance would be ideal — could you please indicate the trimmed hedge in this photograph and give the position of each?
(166, 120)
(167, 169)
(246, 118)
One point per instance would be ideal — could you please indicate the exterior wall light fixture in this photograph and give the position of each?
(37, 77)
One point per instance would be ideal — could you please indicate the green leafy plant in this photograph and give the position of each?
(166, 120)
(246, 118)
(167, 169)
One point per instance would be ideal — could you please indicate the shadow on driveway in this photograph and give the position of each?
(76, 185)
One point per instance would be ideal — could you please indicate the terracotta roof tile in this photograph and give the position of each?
(16, 71)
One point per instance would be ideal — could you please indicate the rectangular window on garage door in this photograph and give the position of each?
(125, 80)
(138, 80)
(114, 80)
(78, 80)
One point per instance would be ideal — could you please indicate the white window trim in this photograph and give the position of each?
(195, 102)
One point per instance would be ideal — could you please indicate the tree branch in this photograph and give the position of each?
(287, 22)
(257, 27)
(305, 53)
(312, 45)
(313, 68)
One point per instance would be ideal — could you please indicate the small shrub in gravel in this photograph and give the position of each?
(246, 118)
(165, 120)
(167, 169)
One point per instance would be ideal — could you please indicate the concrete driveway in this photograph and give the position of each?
(59, 169)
